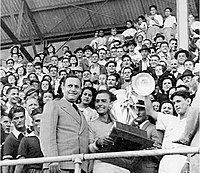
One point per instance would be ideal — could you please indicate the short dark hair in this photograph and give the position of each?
(38, 64)
(184, 94)
(70, 76)
(190, 60)
(53, 66)
(164, 42)
(152, 6)
(11, 88)
(168, 8)
(111, 95)
(184, 86)
(15, 109)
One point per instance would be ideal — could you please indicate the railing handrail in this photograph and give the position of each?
(93, 156)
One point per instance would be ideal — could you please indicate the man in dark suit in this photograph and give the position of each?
(64, 130)
(147, 164)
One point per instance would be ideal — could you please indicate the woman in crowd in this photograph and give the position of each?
(21, 71)
(47, 96)
(45, 85)
(11, 78)
(86, 105)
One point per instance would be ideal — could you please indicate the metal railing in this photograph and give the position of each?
(78, 158)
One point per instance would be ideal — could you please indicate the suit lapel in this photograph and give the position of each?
(67, 107)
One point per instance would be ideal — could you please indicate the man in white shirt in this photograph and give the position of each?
(169, 26)
(174, 127)
(154, 21)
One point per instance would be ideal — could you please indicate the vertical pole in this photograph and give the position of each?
(182, 23)
(77, 163)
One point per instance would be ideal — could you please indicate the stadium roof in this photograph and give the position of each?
(34, 21)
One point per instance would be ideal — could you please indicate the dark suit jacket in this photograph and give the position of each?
(149, 164)
(63, 132)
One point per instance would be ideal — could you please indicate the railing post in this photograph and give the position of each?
(77, 163)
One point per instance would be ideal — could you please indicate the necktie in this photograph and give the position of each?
(20, 136)
(76, 108)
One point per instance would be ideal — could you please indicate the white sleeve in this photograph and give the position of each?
(163, 120)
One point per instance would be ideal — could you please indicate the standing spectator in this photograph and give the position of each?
(147, 164)
(154, 21)
(126, 74)
(29, 146)
(62, 123)
(21, 71)
(164, 53)
(17, 117)
(111, 67)
(144, 62)
(173, 127)
(169, 26)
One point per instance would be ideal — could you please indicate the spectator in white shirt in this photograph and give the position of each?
(130, 31)
(169, 26)
(154, 21)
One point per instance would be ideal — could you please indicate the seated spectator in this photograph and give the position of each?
(169, 26)
(113, 37)
(154, 22)
(130, 31)
(141, 26)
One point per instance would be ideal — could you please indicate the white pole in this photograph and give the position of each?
(182, 23)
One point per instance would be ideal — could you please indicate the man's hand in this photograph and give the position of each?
(103, 141)
(54, 167)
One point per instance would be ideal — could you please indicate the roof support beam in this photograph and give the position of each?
(30, 15)
(15, 40)
(20, 20)
(55, 7)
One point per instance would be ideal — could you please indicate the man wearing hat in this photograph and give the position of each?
(144, 62)
(147, 164)
(186, 77)
(181, 56)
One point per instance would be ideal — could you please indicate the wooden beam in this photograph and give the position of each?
(30, 15)
(15, 40)
(20, 20)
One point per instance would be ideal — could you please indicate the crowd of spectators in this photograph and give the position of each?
(109, 63)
